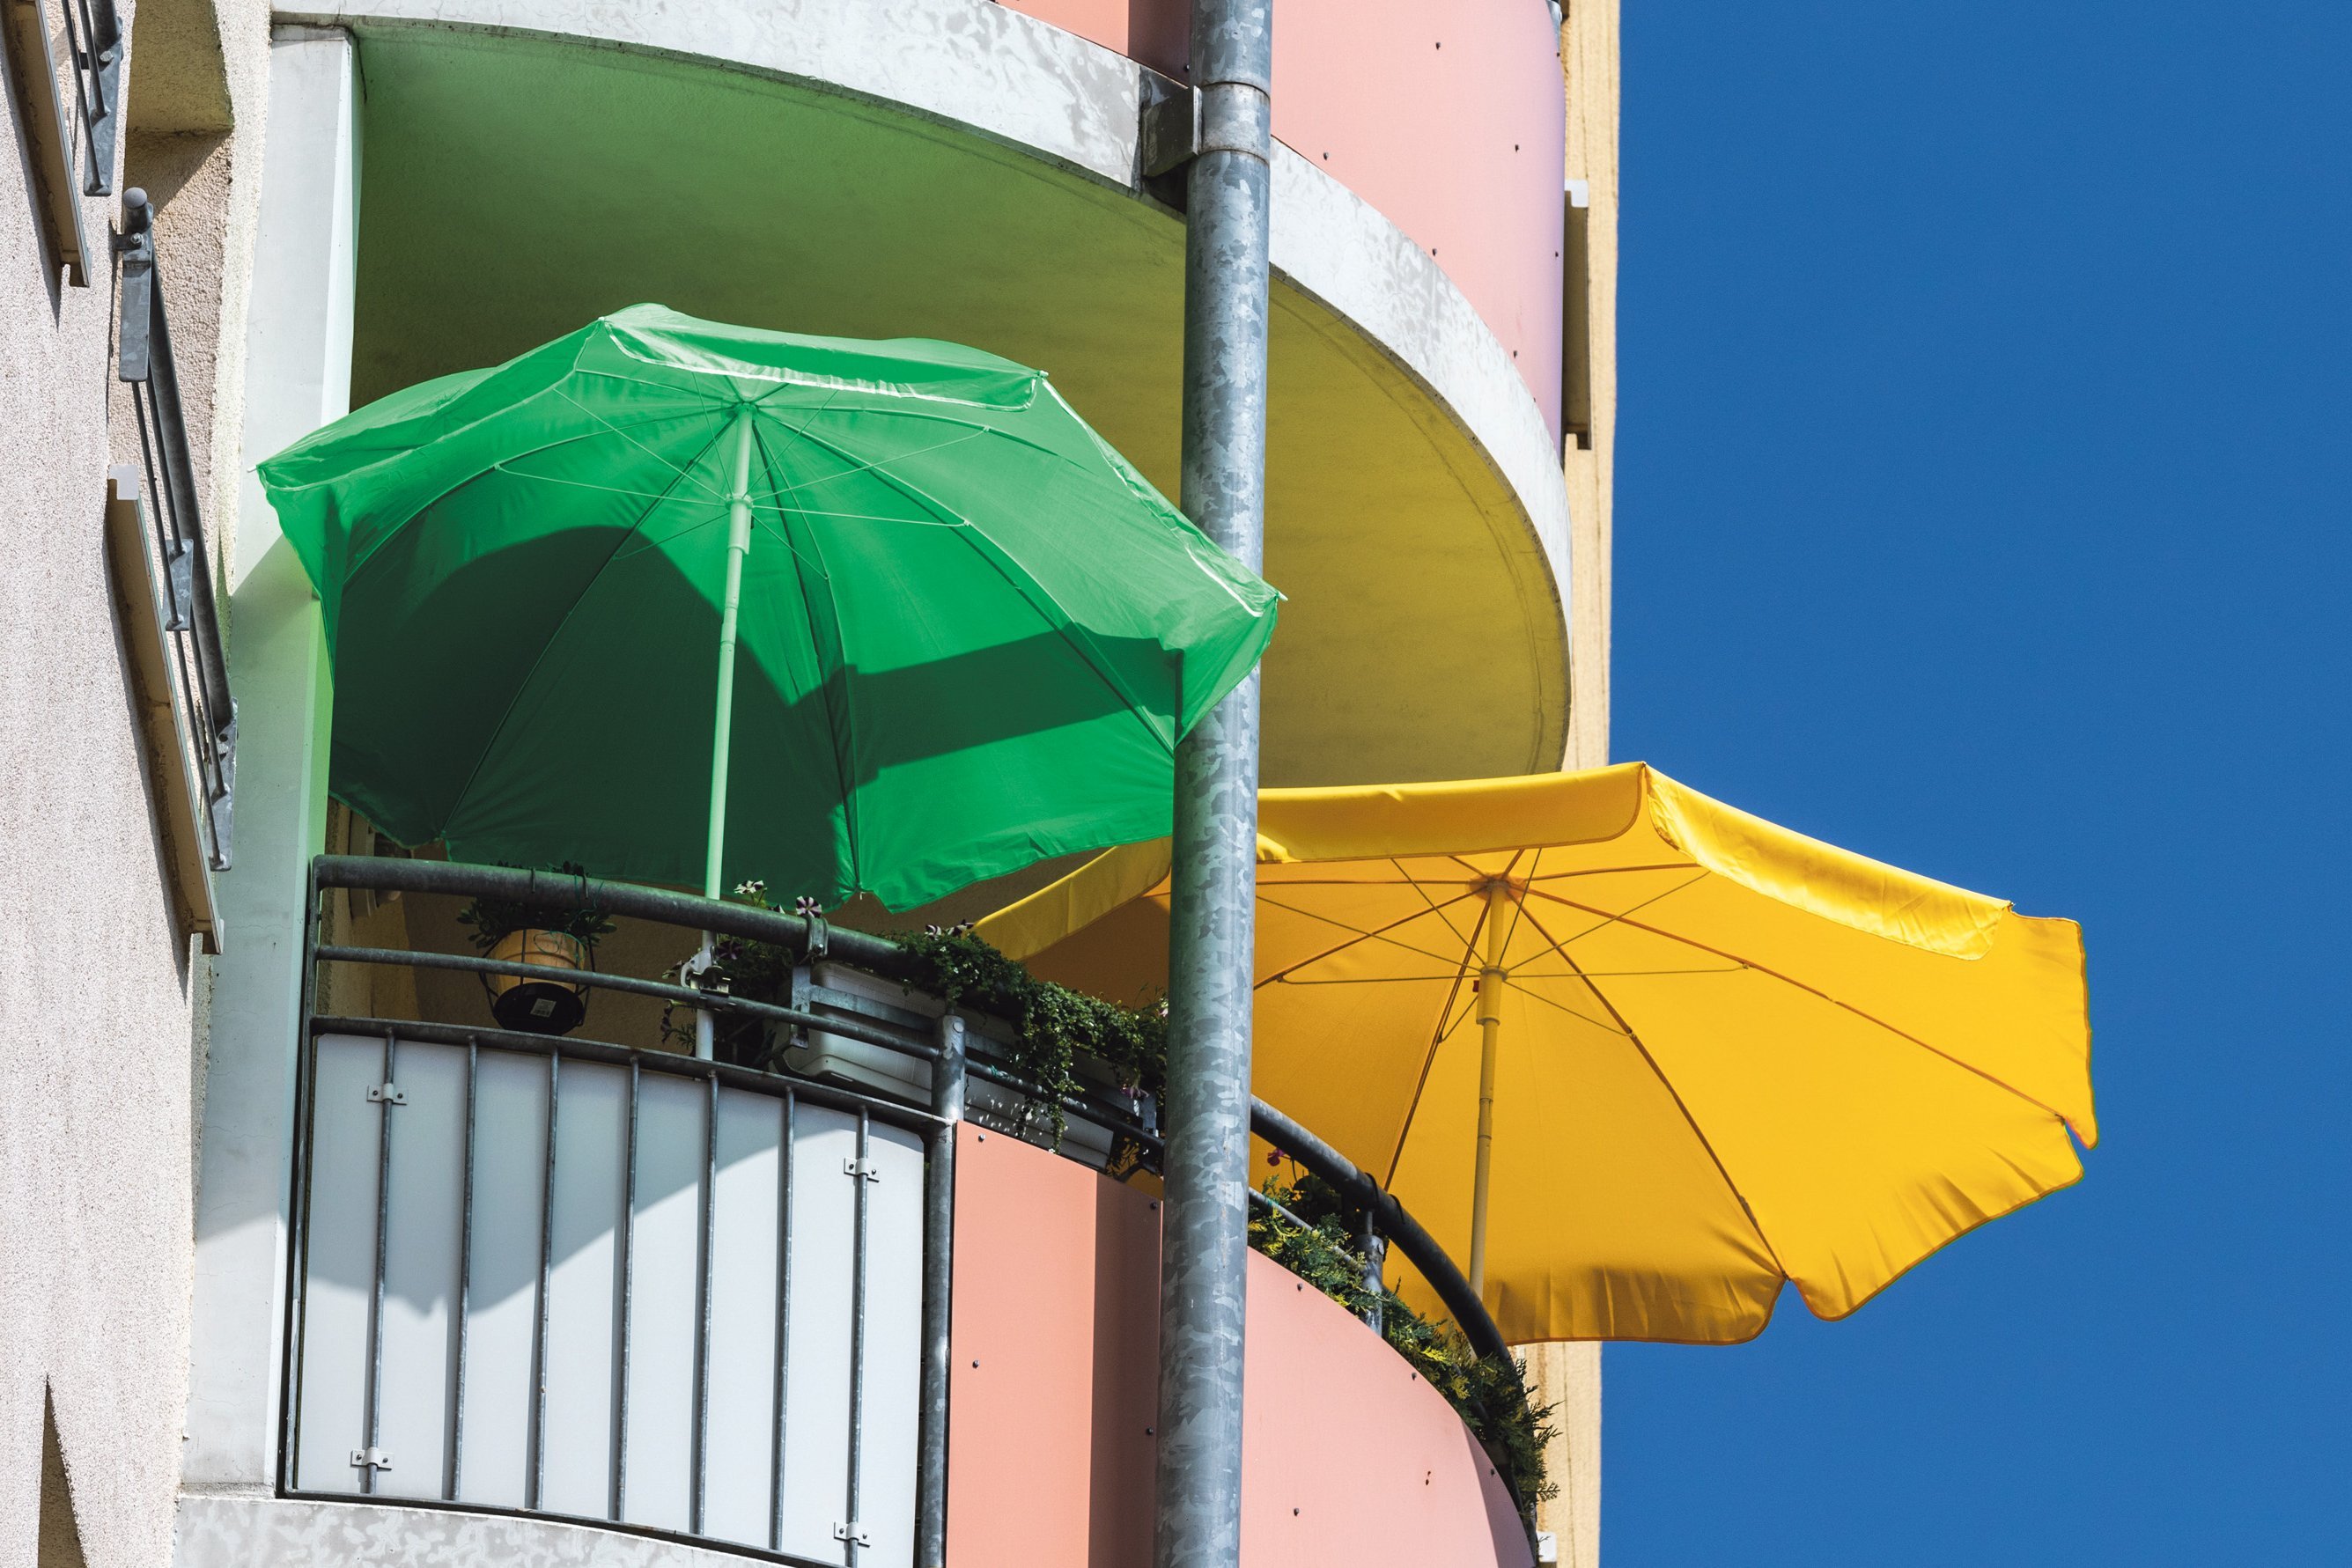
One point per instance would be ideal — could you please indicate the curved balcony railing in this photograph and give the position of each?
(584, 1280)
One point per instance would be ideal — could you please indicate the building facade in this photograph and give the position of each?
(341, 201)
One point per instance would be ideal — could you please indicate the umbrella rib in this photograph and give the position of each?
(507, 713)
(1562, 1007)
(682, 472)
(683, 388)
(1607, 919)
(1375, 935)
(1429, 1057)
(352, 572)
(1634, 1037)
(1435, 908)
(859, 467)
(1518, 905)
(844, 722)
(1809, 990)
(1609, 871)
(1078, 643)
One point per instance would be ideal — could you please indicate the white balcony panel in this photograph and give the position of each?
(503, 1293)
(894, 1339)
(816, 1393)
(458, 1415)
(423, 1224)
(340, 1288)
(583, 1291)
(665, 1302)
(746, 1227)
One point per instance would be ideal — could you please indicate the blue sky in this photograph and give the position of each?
(1982, 489)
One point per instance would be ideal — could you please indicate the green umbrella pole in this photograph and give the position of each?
(739, 545)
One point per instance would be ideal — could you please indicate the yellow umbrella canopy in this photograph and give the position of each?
(1725, 1055)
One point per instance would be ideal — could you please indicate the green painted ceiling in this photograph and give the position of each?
(513, 188)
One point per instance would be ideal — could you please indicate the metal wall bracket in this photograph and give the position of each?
(854, 1167)
(390, 1094)
(1168, 134)
(852, 1532)
(371, 1459)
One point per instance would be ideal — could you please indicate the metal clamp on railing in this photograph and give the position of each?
(143, 361)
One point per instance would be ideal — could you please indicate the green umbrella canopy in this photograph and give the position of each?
(970, 634)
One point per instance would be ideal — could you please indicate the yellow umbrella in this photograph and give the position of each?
(1707, 1053)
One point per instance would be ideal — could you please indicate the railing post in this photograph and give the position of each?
(938, 1278)
(1205, 1243)
(1375, 1257)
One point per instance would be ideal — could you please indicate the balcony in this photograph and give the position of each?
(974, 171)
(818, 1309)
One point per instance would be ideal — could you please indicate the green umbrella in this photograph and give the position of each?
(947, 629)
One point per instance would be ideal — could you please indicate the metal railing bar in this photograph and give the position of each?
(1279, 1209)
(1418, 1247)
(647, 1532)
(712, 1002)
(702, 1307)
(628, 1240)
(546, 1263)
(889, 1111)
(464, 1282)
(1092, 1110)
(297, 1203)
(854, 1522)
(375, 1308)
(94, 38)
(783, 1315)
(145, 359)
(856, 948)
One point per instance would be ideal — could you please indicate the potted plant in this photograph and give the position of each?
(541, 935)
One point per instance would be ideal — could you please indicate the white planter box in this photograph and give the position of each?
(879, 1070)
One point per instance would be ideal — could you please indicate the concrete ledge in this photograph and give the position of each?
(242, 1529)
(1036, 88)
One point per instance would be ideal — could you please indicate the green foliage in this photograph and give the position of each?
(1053, 1025)
(1491, 1397)
(742, 966)
(496, 919)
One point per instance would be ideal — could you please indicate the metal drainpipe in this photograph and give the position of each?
(1204, 1244)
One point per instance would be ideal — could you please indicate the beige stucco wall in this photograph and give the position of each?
(1590, 63)
(101, 998)
(1568, 1376)
(95, 986)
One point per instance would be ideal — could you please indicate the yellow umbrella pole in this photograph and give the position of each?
(1490, 1039)
(739, 545)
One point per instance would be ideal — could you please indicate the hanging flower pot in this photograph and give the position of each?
(535, 1005)
(551, 937)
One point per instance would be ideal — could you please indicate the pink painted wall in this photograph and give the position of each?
(1445, 115)
(1350, 1457)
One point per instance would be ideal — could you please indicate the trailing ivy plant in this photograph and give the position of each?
(496, 919)
(1053, 1025)
(1490, 1395)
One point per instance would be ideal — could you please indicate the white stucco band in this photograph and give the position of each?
(297, 350)
(1053, 95)
(222, 1529)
